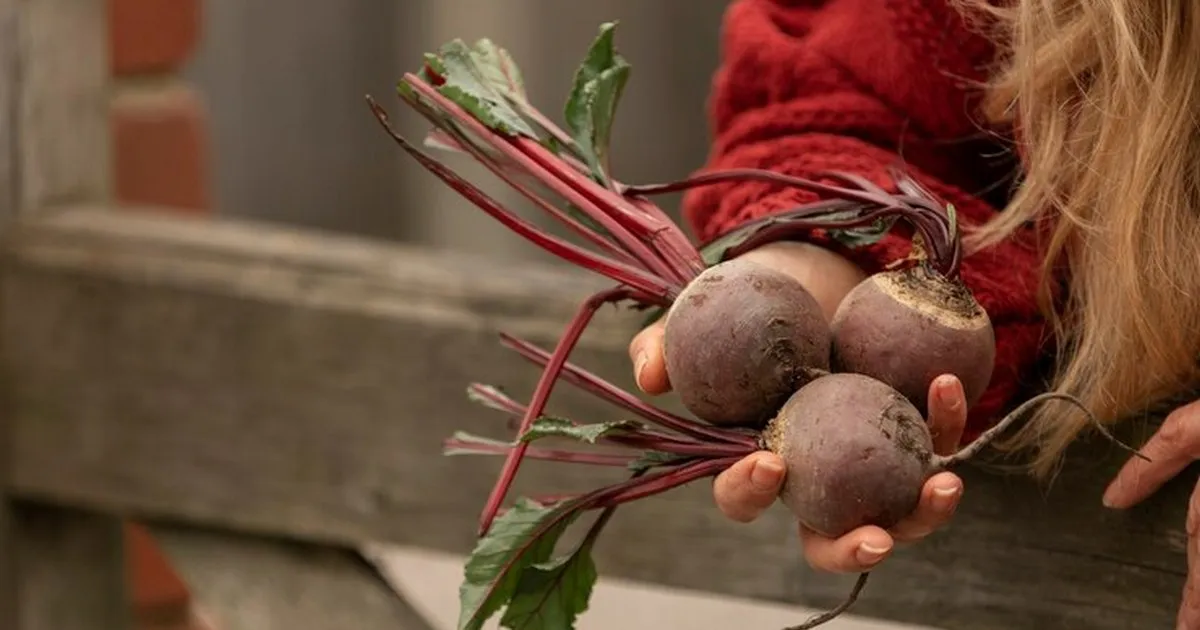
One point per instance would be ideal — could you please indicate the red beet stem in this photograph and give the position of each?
(474, 447)
(683, 448)
(652, 225)
(508, 173)
(804, 219)
(514, 422)
(760, 175)
(546, 499)
(607, 391)
(541, 395)
(917, 206)
(652, 288)
(666, 480)
(560, 136)
(556, 175)
(641, 438)
(677, 249)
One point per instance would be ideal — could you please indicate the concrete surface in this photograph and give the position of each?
(430, 582)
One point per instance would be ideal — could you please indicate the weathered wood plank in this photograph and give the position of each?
(8, 199)
(319, 375)
(252, 583)
(9, 78)
(62, 104)
(66, 571)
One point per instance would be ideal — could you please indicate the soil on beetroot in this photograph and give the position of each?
(921, 284)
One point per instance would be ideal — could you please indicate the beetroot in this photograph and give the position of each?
(740, 339)
(907, 327)
(857, 452)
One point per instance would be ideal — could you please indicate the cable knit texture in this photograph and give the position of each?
(859, 86)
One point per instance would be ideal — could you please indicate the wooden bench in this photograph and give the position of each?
(301, 416)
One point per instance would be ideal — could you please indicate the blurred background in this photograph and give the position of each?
(293, 142)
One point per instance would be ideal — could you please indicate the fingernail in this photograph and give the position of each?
(766, 474)
(639, 364)
(1110, 497)
(946, 386)
(948, 490)
(945, 499)
(868, 555)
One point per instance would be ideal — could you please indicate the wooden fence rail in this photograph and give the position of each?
(319, 374)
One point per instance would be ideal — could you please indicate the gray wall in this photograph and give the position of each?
(294, 142)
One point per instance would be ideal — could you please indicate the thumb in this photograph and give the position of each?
(750, 486)
(649, 366)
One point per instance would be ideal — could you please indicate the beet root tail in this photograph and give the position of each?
(971, 450)
(833, 613)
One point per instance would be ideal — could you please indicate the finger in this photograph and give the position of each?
(646, 352)
(939, 501)
(947, 413)
(749, 487)
(1189, 607)
(1171, 448)
(857, 551)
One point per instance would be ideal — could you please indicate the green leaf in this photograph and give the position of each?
(715, 250)
(592, 104)
(650, 459)
(863, 236)
(549, 426)
(499, 70)
(520, 538)
(551, 595)
(471, 79)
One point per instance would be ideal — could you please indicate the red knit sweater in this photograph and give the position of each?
(860, 85)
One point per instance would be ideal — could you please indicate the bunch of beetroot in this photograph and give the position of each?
(747, 348)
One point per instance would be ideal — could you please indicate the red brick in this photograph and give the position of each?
(161, 148)
(152, 36)
(158, 595)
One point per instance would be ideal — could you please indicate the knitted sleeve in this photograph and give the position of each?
(859, 86)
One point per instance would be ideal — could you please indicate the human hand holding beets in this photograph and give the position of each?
(752, 485)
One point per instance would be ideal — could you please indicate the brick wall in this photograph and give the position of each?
(159, 123)
(160, 157)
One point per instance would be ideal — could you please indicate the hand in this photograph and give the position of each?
(752, 485)
(1175, 445)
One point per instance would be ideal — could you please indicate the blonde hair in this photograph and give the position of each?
(1105, 95)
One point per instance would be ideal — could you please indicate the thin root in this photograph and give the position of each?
(972, 449)
(830, 615)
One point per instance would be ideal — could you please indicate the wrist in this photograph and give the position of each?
(827, 275)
